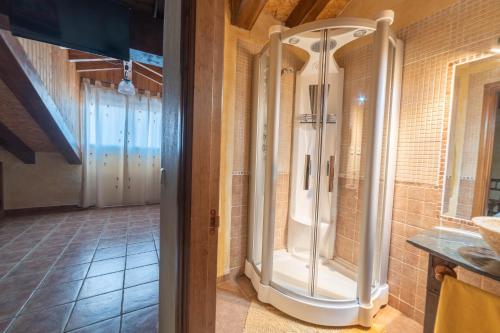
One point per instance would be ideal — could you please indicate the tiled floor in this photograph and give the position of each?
(234, 298)
(97, 271)
(85, 271)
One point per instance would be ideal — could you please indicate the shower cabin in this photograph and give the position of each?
(321, 187)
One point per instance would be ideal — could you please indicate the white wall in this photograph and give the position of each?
(49, 182)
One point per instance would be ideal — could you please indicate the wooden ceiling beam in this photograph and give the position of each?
(80, 56)
(147, 74)
(153, 69)
(18, 73)
(244, 13)
(98, 66)
(306, 11)
(15, 146)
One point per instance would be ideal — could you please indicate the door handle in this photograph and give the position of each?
(331, 173)
(307, 172)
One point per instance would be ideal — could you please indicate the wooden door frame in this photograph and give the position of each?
(193, 60)
(485, 153)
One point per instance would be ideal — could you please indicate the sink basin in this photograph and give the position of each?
(489, 228)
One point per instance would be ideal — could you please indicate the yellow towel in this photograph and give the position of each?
(467, 309)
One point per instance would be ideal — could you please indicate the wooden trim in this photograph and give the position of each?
(306, 11)
(175, 190)
(45, 210)
(22, 79)
(244, 13)
(152, 69)
(16, 146)
(147, 77)
(190, 157)
(147, 74)
(80, 56)
(98, 66)
(485, 153)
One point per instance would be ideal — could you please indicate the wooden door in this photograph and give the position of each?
(193, 50)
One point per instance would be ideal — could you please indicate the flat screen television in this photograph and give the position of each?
(95, 26)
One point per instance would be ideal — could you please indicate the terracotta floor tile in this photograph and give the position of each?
(144, 321)
(5, 268)
(8, 256)
(41, 265)
(20, 283)
(93, 242)
(66, 274)
(11, 304)
(45, 252)
(110, 252)
(107, 326)
(101, 284)
(142, 259)
(137, 248)
(75, 258)
(4, 323)
(53, 295)
(141, 275)
(78, 246)
(92, 310)
(51, 320)
(232, 309)
(111, 242)
(138, 238)
(141, 296)
(106, 266)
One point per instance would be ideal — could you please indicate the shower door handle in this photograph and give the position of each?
(307, 172)
(331, 172)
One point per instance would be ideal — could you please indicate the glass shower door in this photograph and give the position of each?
(332, 279)
(296, 198)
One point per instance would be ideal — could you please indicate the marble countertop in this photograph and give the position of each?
(462, 248)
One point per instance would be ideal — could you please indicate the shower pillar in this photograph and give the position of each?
(371, 186)
(271, 167)
(392, 151)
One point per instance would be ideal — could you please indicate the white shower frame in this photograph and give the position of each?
(359, 311)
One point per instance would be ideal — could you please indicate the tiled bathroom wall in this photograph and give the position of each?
(463, 32)
(241, 154)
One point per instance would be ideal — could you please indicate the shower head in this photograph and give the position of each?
(331, 45)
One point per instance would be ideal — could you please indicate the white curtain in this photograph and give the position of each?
(121, 142)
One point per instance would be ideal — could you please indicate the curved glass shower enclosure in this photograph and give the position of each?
(324, 133)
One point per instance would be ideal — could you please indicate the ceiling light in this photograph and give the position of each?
(126, 86)
(359, 33)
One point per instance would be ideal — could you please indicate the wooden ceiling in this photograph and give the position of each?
(244, 13)
(294, 12)
(109, 70)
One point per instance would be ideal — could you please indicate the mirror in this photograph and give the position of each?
(472, 184)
